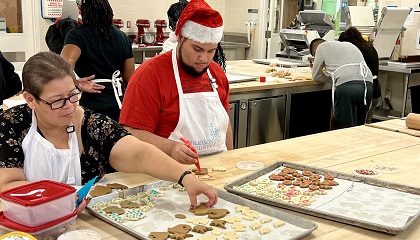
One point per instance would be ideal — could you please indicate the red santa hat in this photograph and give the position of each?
(199, 22)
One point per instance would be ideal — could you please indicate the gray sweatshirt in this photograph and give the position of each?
(334, 54)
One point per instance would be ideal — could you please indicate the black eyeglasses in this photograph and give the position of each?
(61, 102)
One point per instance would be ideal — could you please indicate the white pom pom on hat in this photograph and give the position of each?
(199, 22)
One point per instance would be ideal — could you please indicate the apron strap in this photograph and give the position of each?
(116, 85)
(363, 72)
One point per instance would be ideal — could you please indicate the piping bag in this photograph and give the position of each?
(188, 144)
(85, 190)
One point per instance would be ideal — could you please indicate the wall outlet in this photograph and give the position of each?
(388, 95)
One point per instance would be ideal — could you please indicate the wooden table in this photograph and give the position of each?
(340, 150)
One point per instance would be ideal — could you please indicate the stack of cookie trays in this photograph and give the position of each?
(44, 209)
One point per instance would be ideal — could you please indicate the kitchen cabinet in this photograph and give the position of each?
(266, 121)
(258, 117)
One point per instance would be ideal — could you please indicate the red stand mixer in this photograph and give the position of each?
(118, 23)
(142, 37)
(160, 25)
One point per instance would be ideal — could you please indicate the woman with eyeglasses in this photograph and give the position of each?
(51, 137)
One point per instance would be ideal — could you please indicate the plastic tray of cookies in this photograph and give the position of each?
(348, 198)
(162, 207)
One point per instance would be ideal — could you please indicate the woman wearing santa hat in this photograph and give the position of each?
(183, 93)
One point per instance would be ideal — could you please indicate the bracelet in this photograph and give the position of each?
(182, 177)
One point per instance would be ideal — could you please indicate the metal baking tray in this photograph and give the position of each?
(237, 78)
(338, 175)
(305, 226)
(285, 62)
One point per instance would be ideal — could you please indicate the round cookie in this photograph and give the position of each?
(307, 173)
(100, 190)
(328, 177)
(180, 216)
(288, 170)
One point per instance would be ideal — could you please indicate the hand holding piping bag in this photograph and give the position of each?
(188, 144)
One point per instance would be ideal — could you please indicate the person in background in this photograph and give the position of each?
(98, 49)
(174, 12)
(10, 83)
(342, 64)
(51, 137)
(183, 93)
(370, 55)
(56, 33)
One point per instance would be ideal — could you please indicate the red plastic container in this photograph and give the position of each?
(51, 230)
(38, 203)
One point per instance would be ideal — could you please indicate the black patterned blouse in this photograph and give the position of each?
(99, 134)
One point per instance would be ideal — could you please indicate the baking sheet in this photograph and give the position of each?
(357, 200)
(281, 62)
(236, 78)
(176, 202)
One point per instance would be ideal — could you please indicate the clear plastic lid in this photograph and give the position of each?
(250, 165)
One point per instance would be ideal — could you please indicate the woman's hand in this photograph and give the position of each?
(86, 85)
(82, 205)
(195, 187)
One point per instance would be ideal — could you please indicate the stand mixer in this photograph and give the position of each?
(160, 25)
(143, 24)
(118, 23)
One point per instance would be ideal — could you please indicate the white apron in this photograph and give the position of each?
(116, 85)
(202, 118)
(44, 161)
(363, 71)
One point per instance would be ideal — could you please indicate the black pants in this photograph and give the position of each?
(349, 107)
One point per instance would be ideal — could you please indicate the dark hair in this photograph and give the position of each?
(219, 56)
(42, 68)
(174, 12)
(97, 15)
(314, 44)
(353, 36)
